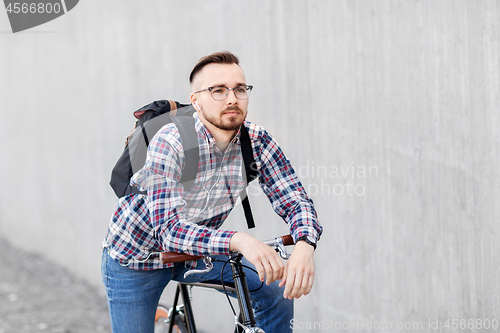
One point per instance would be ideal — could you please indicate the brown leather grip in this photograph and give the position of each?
(287, 240)
(172, 257)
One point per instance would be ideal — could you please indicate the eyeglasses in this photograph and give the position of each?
(221, 93)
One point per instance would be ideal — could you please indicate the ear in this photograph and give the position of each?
(195, 103)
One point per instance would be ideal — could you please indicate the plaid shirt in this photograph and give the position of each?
(171, 219)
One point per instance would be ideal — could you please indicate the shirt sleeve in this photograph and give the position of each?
(288, 197)
(160, 177)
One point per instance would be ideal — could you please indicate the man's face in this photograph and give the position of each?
(228, 114)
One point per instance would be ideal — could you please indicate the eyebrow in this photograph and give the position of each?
(223, 85)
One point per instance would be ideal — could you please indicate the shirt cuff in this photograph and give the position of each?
(219, 242)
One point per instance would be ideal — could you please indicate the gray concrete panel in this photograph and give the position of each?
(388, 110)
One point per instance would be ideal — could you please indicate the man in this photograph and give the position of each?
(171, 219)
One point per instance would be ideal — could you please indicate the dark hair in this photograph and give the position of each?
(224, 57)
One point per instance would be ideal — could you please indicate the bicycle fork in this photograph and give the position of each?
(240, 284)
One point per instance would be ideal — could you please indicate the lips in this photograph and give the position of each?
(232, 111)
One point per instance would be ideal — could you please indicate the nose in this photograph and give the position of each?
(231, 97)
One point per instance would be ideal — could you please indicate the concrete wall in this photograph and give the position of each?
(389, 110)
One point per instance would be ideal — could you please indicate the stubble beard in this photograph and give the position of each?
(231, 123)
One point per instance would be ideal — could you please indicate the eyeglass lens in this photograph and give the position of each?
(220, 93)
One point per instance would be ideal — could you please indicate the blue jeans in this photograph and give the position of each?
(133, 295)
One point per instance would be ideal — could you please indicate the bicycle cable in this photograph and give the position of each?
(224, 286)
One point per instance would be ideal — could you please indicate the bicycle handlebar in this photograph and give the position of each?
(286, 239)
(174, 257)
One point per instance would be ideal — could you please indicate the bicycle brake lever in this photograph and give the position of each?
(280, 247)
(208, 267)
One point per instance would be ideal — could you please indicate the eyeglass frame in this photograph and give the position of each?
(247, 86)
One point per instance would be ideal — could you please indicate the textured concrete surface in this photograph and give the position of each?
(37, 295)
(389, 110)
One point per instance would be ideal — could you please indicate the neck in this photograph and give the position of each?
(222, 137)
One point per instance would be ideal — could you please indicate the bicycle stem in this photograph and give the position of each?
(278, 244)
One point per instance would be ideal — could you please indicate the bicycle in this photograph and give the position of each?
(180, 318)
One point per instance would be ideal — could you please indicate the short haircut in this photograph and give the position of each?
(224, 57)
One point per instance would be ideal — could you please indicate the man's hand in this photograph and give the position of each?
(262, 256)
(299, 271)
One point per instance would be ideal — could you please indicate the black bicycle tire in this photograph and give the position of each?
(179, 325)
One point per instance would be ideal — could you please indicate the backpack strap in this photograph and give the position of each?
(247, 152)
(189, 137)
(251, 173)
(246, 208)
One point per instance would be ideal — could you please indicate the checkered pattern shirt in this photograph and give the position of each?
(171, 219)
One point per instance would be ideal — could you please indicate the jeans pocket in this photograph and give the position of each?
(105, 271)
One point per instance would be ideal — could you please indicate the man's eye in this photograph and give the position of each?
(218, 91)
(241, 89)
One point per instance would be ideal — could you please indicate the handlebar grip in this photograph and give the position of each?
(287, 240)
(173, 257)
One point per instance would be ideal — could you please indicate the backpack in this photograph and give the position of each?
(150, 119)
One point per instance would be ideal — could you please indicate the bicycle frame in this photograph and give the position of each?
(240, 287)
(188, 310)
(246, 318)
